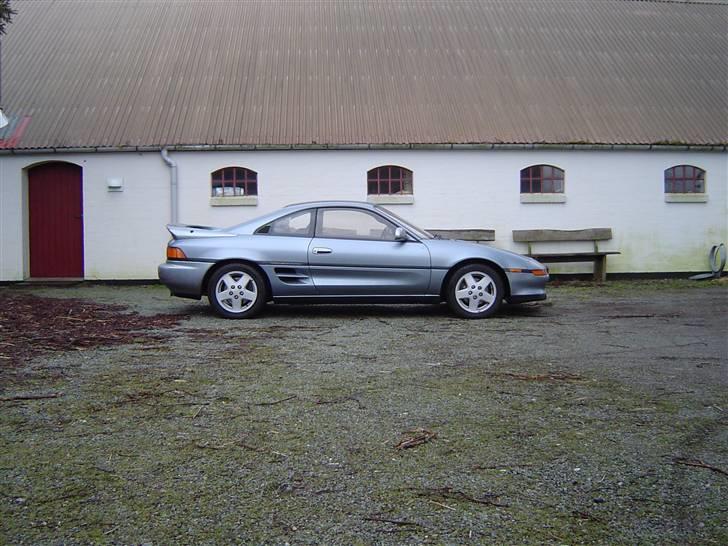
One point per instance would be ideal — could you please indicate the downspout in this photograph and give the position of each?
(172, 183)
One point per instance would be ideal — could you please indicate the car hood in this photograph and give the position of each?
(445, 253)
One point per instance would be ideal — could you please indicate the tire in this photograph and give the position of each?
(475, 291)
(236, 291)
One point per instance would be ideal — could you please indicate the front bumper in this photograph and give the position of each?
(183, 278)
(526, 287)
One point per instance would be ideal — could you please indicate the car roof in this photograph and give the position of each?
(341, 203)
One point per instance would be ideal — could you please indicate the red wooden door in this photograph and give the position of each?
(55, 201)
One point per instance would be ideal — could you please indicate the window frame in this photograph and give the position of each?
(669, 177)
(246, 182)
(319, 219)
(406, 176)
(552, 179)
(311, 228)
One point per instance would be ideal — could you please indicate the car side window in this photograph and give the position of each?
(353, 224)
(298, 224)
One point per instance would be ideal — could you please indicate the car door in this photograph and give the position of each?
(284, 244)
(353, 253)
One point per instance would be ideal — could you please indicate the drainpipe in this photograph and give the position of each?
(172, 183)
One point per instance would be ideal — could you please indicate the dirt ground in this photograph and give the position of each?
(598, 416)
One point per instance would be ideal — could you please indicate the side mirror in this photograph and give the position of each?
(400, 234)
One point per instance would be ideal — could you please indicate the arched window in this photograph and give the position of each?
(542, 179)
(234, 182)
(684, 179)
(389, 180)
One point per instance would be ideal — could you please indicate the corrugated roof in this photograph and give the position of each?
(156, 73)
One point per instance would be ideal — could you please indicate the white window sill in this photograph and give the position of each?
(543, 198)
(240, 201)
(686, 198)
(404, 199)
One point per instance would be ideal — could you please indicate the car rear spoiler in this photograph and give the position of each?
(186, 231)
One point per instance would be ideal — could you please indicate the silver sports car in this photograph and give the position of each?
(342, 252)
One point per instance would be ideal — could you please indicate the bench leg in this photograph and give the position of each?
(600, 268)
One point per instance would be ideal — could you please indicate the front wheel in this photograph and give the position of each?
(236, 291)
(475, 291)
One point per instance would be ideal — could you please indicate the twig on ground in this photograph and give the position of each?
(450, 493)
(699, 464)
(339, 400)
(500, 466)
(32, 397)
(207, 445)
(556, 376)
(584, 515)
(441, 504)
(420, 437)
(392, 521)
(276, 401)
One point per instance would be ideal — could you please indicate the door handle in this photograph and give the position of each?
(321, 250)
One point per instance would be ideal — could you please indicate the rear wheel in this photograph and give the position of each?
(236, 291)
(475, 291)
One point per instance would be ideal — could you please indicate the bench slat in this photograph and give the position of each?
(465, 234)
(571, 257)
(553, 235)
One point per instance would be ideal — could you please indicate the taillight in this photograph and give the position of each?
(174, 253)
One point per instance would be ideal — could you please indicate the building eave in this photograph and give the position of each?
(540, 146)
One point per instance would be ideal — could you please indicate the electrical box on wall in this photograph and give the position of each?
(115, 183)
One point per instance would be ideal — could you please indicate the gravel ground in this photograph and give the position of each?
(598, 416)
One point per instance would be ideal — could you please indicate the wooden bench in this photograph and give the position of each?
(530, 236)
(476, 235)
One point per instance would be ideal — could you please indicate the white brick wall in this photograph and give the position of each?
(125, 236)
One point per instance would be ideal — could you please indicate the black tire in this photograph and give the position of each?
(237, 291)
(475, 291)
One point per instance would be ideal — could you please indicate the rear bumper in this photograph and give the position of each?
(184, 279)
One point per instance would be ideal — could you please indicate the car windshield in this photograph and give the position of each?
(421, 233)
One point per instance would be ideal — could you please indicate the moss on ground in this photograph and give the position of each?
(270, 438)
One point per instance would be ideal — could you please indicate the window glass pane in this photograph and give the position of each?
(688, 171)
(240, 173)
(699, 186)
(670, 173)
(558, 186)
(407, 184)
(297, 224)
(558, 173)
(251, 188)
(525, 186)
(547, 186)
(546, 171)
(679, 172)
(217, 175)
(354, 224)
(217, 188)
(700, 174)
(227, 174)
(392, 180)
(536, 186)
